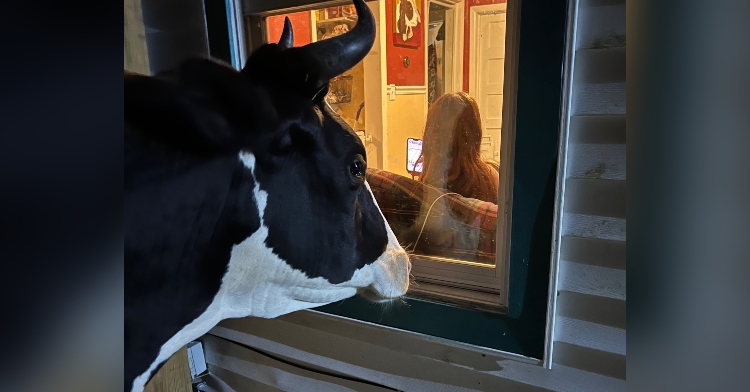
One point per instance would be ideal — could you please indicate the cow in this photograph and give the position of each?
(245, 195)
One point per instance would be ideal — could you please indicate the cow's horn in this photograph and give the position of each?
(287, 36)
(331, 57)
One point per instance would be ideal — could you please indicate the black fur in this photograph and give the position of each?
(189, 199)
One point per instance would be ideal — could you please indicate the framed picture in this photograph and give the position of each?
(348, 11)
(407, 23)
(340, 90)
(333, 12)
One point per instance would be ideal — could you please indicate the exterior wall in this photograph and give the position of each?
(590, 314)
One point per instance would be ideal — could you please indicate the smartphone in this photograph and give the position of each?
(413, 152)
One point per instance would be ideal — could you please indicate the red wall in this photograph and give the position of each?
(397, 74)
(467, 34)
(300, 27)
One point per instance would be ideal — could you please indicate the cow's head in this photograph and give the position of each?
(246, 195)
(326, 238)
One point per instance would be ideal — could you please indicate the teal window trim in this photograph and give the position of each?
(232, 37)
(539, 91)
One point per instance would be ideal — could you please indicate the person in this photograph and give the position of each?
(451, 149)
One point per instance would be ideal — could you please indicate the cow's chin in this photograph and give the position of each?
(373, 296)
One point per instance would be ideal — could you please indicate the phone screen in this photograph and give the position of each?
(413, 151)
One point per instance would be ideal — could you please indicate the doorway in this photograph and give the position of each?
(487, 65)
(444, 47)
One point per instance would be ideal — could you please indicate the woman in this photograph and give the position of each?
(451, 149)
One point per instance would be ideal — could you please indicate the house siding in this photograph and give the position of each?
(590, 313)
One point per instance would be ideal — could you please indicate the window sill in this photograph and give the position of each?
(407, 360)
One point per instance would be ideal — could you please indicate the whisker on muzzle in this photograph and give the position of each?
(412, 278)
(408, 247)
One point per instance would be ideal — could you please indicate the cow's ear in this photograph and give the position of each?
(245, 104)
(296, 136)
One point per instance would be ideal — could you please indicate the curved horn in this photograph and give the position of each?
(287, 35)
(331, 57)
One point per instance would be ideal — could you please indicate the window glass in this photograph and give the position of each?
(428, 109)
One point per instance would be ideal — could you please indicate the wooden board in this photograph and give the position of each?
(174, 376)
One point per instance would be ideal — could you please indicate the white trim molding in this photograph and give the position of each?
(392, 90)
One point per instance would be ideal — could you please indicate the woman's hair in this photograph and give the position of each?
(451, 149)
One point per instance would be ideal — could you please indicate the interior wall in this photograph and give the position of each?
(398, 74)
(406, 117)
(348, 110)
(407, 112)
(300, 27)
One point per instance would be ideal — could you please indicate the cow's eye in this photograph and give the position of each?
(358, 167)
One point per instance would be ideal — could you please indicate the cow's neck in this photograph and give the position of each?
(201, 218)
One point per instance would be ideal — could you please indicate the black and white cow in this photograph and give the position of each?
(245, 195)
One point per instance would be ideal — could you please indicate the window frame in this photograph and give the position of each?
(518, 304)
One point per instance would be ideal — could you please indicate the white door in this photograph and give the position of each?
(487, 64)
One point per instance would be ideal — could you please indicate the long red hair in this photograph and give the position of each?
(451, 149)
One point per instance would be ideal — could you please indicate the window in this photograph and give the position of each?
(434, 152)
(478, 216)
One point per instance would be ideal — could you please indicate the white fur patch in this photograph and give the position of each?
(258, 283)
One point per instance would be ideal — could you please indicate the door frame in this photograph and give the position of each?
(455, 40)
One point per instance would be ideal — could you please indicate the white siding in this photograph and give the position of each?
(590, 315)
